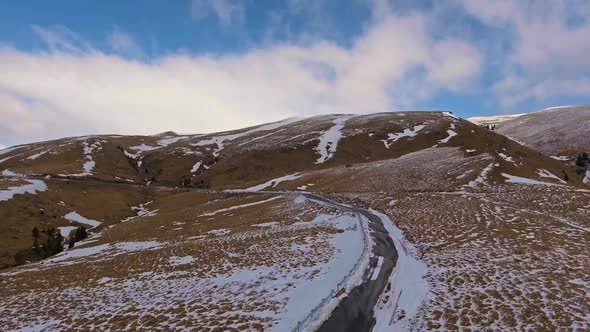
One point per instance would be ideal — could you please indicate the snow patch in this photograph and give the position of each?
(131, 155)
(218, 232)
(220, 140)
(391, 138)
(89, 163)
(235, 207)
(7, 150)
(170, 140)
(451, 132)
(31, 188)
(137, 245)
(527, 181)
(450, 114)
(481, 178)
(267, 224)
(274, 182)
(561, 158)
(141, 211)
(37, 155)
(65, 230)
(75, 217)
(198, 165)
(9, 173)
(543, 173)
(506, 157)
(116, 249)
(329, 140)
(175, 260)
(144, 148)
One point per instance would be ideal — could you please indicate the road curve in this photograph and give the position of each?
(355, 311)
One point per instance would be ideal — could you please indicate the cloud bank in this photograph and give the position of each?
(75, 89)
(550, 48)
(506, 53)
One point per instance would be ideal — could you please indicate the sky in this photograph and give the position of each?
(147, 66)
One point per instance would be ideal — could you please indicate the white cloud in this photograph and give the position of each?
(123, 43)
(60, 38)
(60, 93)
(226, 11)
(515, 89)
(550, 56)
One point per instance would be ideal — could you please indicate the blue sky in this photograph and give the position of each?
(81, 67)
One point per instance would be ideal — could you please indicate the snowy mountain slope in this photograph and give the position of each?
(557, 131)
(242, 158)
(496, 119)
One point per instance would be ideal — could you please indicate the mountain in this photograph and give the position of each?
(388, 221)
(494, 120)
(556, 131)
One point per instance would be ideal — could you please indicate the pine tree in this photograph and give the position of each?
(71, 242)
(81, 233)
(58, 244)
(36, 248)
(36, 232)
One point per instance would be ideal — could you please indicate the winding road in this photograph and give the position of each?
(355, 311)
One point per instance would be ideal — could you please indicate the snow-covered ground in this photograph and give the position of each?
(409, 287)
(348, 247)
(266, 287)
(112, 249)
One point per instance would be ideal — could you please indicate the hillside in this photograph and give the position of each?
(556, 131)
(397, 221)
(494, 120)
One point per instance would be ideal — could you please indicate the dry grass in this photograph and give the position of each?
(107, 203)
(194, 276)
(513, 259)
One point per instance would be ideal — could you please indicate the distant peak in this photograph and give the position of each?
(167, 133)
